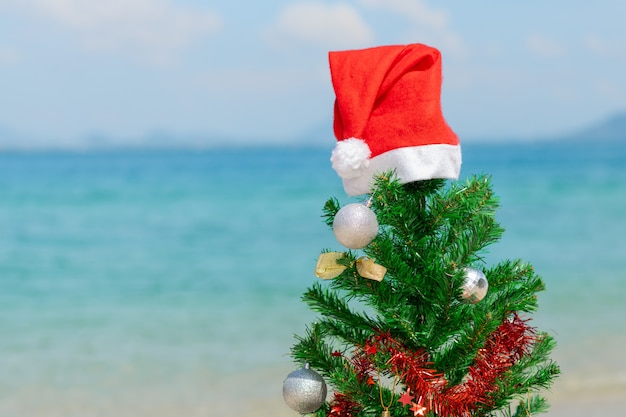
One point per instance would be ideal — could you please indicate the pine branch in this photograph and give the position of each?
(533, 405)
(331, 207)
(314, 350)
(535, 370)
(345, 332)
(402, 208)
(454, 357)
(513, 287)
(464, 218)
(331, 306)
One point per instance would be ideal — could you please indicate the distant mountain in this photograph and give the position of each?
(609, 130)
(612, 129)
(13, 141)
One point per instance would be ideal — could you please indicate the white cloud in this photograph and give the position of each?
(429, 25)
(328, 25)
(250, 82)
(543, 46)
(611, 47)
(154, 30)
(416, 10)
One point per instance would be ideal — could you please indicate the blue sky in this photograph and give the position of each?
(257, 70)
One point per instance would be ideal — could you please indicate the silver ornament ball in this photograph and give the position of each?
(475, 286)
(355, 226)
(304, 390)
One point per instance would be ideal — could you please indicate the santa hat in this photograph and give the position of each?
(388, 116)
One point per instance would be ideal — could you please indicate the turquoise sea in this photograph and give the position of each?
(168, 283)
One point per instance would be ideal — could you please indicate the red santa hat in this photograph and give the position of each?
(388, 116)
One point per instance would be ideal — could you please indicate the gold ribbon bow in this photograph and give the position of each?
(328, 268)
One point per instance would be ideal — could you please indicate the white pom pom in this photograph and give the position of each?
(350, 157)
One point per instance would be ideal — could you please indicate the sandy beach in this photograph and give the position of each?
(256, 393)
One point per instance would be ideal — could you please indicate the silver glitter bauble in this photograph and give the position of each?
(475, 286)
(355, 226)
(304, 390)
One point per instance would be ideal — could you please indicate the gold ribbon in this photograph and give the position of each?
(328, 268)
(369, 269)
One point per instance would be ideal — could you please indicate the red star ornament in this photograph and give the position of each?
(418, 409)
(406, 398)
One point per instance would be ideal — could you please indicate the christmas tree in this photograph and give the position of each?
(411, 319)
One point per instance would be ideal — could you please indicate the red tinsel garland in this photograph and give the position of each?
(504, 347)
(511, 341)
(343, 406)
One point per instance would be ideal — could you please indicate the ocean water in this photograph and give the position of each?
(166, 283)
